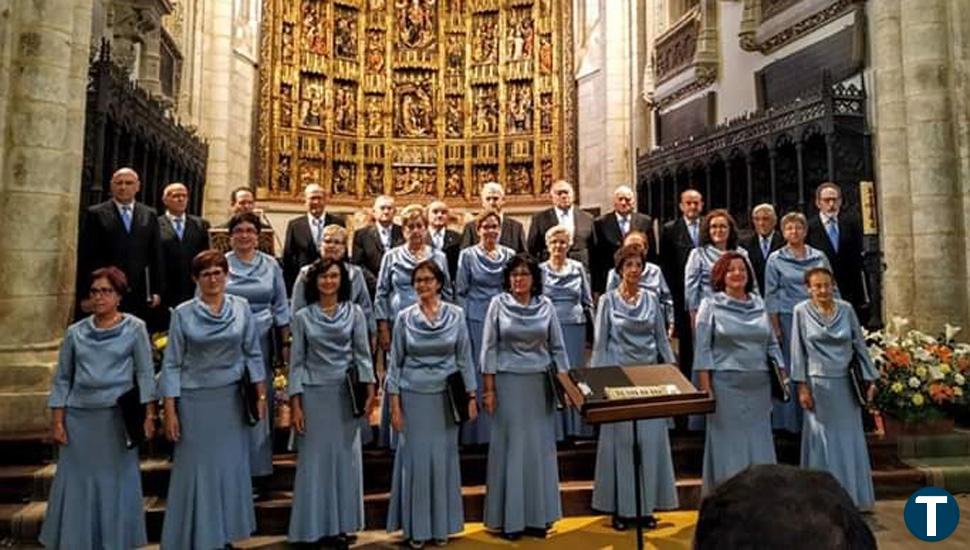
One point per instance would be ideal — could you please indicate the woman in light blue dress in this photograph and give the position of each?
(96, 500)
(825, 337)
(430, 343)
(630, 330)
(329, 338)
(734, 340)
(521, 342)
(258, 277)
(784, 288)
(478, 280)
(212, 341)
(566, 283)
(652, 278)
(395, 291)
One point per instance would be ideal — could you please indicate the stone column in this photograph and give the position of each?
(937, 216)
(41, 149)
(892, 162)
(217, 104)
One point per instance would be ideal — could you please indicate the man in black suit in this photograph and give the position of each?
(610, 230)
(839, 235)
(123, 233)
(513, 235)
(764, 240)
(563, 212)
(440, 237)
(182, 236)
(678, 238)
(373, 240)
(303, 234)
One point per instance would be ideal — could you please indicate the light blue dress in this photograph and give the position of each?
(697, 274)
(393, 294)
(96, 499)
(630, 334)
(570, 293)
(478, 279)
(651, 279)
(426, 498)
(358, 293)
(210, 499)
(261, 283)
(784, 288)
(328, 490)
(832, 436)
(519, 343)
(734, 339)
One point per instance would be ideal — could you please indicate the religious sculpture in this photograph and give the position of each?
(283, 173)
(453, 117)
(311, 105)
(415, 110)
(412, 181)
(343, 179)
(545, 113)
(374, 56)
(286, 44)
(374, 182)
(519, 115)
(486, 111)
(415, 23)
(545, 173)
(484, 47)
(375, 116)
(454, 186)
(286, 105)
(455, 54)
(314, 40)
(345, 34)
(483, 175)
(545, 55)
(520, 180)
(345, 110)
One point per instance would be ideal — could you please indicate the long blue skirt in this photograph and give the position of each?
(571, 421)
(522, 483)
(261, 435)
(426, 486)
(328, 490)
(210, 495)
(787, 416)
(477, 432)
(739, 429)
(614, 490)
(833, 439)
(95, 500)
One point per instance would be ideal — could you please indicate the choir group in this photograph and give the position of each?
(470, 338)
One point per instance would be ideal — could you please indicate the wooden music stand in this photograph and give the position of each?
(586, 389)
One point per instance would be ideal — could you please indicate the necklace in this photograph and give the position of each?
(629, 297)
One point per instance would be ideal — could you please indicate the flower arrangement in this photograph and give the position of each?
(281, 399)
(922, 377)
(159, 341)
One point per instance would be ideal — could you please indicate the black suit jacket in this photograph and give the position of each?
(177, 255)
(513, 235)
(368, 250)
(299, 248)
(675, 248)
(451, 249)
(752, 243)
(847, 262)
(105, 242)
(609, 239)
(584, 241)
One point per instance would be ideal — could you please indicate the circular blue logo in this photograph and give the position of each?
(931, 514)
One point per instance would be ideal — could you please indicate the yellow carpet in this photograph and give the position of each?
(674, 532)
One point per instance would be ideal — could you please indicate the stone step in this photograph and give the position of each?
(954, 444)
(21, 522)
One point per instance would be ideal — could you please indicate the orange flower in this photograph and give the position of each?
(944, 353)
(940, 393)
(897, 357)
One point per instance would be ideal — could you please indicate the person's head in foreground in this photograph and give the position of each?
(773, 507)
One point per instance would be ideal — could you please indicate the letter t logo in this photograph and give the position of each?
(931, 502)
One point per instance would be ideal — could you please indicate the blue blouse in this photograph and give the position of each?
(207, 350)
(785, 277)
(630, 334)
(697, 274)
(651, 279)
(97, 365)
(520, 338)
(479, 278)
(569, 291)
(358, 293)
(734, 335)
(823, 347)
(325, 347)
(424, 352)
(260, 282)
(394, 290)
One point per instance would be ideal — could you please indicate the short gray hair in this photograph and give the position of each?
(794, 217)
(557, 230)
(765, 207)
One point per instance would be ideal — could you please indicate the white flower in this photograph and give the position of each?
(958, 392)
(935, 373)
(951, 331)
(959, 379)
(899, 324)
(922, 355)
(914, 382)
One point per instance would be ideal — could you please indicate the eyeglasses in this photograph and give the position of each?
(424, 280)
(212, 274)
(244, 231)
(101, 291)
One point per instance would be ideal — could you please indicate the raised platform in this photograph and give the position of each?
(24, 486)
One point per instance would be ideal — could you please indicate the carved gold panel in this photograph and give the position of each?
(418, 98)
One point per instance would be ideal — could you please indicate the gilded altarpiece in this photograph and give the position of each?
(416, 98)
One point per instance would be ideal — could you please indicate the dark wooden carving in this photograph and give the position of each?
(675, 52)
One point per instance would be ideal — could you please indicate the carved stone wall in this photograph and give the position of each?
(416, 98)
